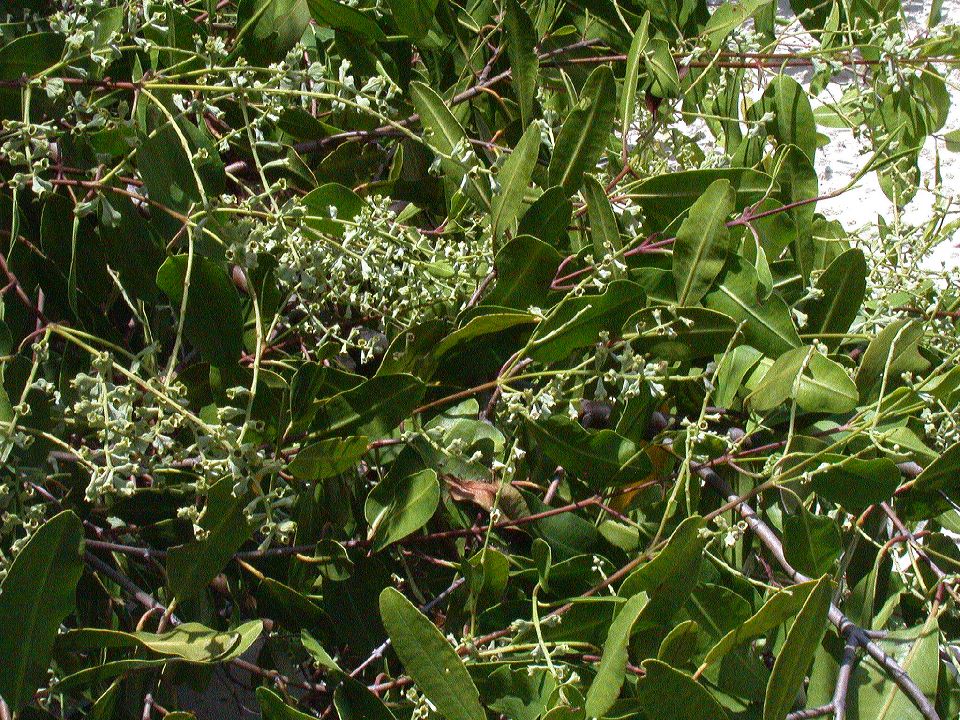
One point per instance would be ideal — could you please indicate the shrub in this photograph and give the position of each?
(408, 358)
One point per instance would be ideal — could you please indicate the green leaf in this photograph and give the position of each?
(681, 333)
(445, 134)
(191, 567)
(213, 322)
(522, 51)
(327, 458)
(631, 76)
(413, 17)
(702, 243)
(329, 205)
(340, 16)
(480, 326)
(398, 506)
(429, 659)
(547, 219)
(781, 606)
(272, 707)
(934, 488)
(877, 696)
(817, 383)
(669, 578)
(170, 175)
(25, 55)
(665, 693)
(603, 223)
(842, 286)
(373, 408)
(600, 458)
(269, 28)
(893, 351)
(37, 594)
(191, 642)
(664, 80)
(525, 268)
(729, 16)
(605, 688)
(767, 324)
(793, 660)
(811, 542)
(584, 132)
(854, 483)
(663, 198)
(351, 698)
(577, 321)
(514, 178)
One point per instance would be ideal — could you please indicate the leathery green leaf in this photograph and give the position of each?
(398, 506)
(793, 660)
(605, 688)
(702, 243)
(37, 594)
(584, 132)
(666, 693)
(514, 178)
(429, 659)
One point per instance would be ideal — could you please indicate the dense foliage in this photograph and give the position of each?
(481, 359)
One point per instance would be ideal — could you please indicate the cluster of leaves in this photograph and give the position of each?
(489, 359)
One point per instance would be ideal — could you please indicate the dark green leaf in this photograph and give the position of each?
(37, 595)
(584, 132)
(429, 659)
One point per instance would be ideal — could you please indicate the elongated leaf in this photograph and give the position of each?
(327, 458)
(603, 223)
(935, 488)
(191, 642)
(191, 567)
(854, 483)
(843, 286)
(269, 28)
(514, 178)
(767, 325)
(601, 458)
(893, 351)
(353, 700)
(877, 696)
(373, 408)
(398, 506)
(341, 16)
(446, 135)
(631, 76)
(413, 17)
(777, 610)
(702, 243)
(584, 132)
(790, 667)
(429, 659)
(682, 333)
(605, 688)
(817, 383)
(811, 542)
(577, 321)
(525, 268)
(37, 594)
(663, 198)
(666, 693)
(547, 219)
(727, 17)
(272, 707)
(522, 51)
(669, 578)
